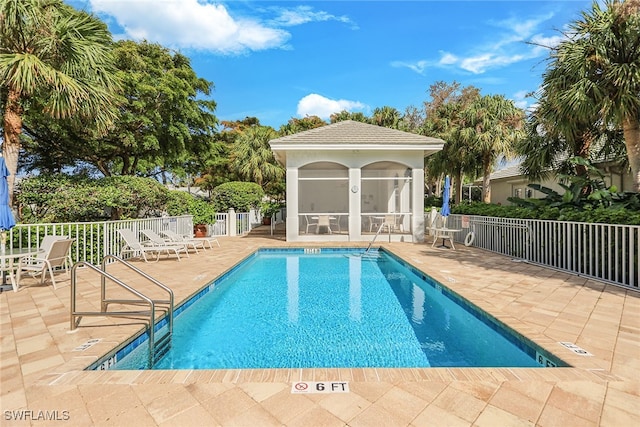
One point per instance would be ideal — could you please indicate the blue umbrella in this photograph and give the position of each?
(445, 211)
(6, 216)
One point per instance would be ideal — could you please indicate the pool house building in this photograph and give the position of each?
(348, 180)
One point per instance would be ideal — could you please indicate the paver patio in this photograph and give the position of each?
(42, 377)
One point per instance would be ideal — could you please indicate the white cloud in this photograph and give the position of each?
(447, 58)
(508, 47)
(304, 14)
(419, 66)
(541, 44)
(524, 99)
(317, 105)
(519, 30)
(481, 63)
(190, 24)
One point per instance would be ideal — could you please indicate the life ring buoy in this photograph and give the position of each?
(468, 241)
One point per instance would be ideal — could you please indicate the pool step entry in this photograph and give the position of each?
(153, 308)
(162, 346)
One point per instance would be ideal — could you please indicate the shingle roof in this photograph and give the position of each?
(508, 172)
(350, 132)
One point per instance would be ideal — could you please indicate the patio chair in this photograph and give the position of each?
(194, 243)
(135, 246)
(392, 223)
(375, 222)
(334, 221)
(56, 254)
(440, 231)
(309, 223)
(323, 221)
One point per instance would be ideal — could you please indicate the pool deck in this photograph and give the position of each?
(42, 377)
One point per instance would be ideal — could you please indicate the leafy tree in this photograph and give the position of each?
(64, 198)
(412, 120)
(252, 158)
(164, 122)
(600, 62)
(215, 168)
(56, 60)
(240, 196)
(299, 125)
(444, 120)
(347, 115)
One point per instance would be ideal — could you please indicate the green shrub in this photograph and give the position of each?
(135, 197)
(62, 198)
(241, 196)
(607, 215)
(430, 201)
(183, 203)
(268, 209)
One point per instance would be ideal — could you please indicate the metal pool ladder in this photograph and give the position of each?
(157, 347)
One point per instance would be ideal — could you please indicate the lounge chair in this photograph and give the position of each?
(135, 246)
(56, 253)
(157, 240)
(207, 240)
(194, 243)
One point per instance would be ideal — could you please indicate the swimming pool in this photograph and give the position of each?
(299, 308)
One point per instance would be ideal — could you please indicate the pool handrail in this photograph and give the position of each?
(76, 316)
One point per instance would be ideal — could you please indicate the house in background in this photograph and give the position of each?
(510, 182)
(348, 180)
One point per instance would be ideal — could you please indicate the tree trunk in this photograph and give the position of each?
(486, 181)
(11, 145)
(458, 187)
(583, 150)
(631, 129)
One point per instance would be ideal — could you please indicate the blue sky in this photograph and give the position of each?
(278, 60)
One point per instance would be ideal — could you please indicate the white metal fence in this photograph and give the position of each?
(94, 240)
(607, 252)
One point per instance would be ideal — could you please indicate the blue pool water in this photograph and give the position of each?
(288, 309)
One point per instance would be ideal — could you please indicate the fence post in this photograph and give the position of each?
(231, 225)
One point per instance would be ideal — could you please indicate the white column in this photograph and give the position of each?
(231, 224)
(417, 203)
(405, 201)
(355, 192)
(293, 228)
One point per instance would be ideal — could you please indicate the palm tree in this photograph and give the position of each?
(386, 116)
(491, 125)
(56, 58)
(444, 120)
(252, 158)
(601, 61)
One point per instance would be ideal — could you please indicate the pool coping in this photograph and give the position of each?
(583, 368)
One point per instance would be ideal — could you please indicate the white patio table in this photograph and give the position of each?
(7, 258)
